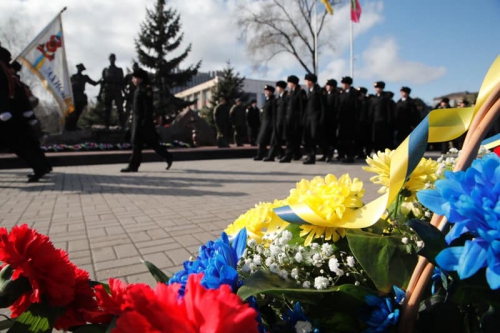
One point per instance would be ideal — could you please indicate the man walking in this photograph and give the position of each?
(348, 110)
(143, 129)
(253, 122)
(278, 123)
(222, 123)
(266, 128)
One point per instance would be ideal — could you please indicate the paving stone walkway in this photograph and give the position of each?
(109, 221)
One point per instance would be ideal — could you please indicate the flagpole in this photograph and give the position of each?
(30, 45)
(352, 50)
(316, 37)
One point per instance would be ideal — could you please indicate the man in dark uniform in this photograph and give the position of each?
(329, 121)
(237, 115)
(78, 82)
(406, 116)
(380, 116)
(349, 109)
(129, 93)
(143, 130)
(266, 127)
(15, 110)
(363, 131)
(445, 104)
(276, 149)
(113, 86)
(315, 109)
(253, 122)
(297, 100)
(222, 123)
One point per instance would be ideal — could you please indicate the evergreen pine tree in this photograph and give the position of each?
(230, 86)
(160, 35)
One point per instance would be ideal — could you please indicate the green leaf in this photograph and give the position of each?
(434, 241)
(158, 274)
(295, 230)
(111, 325)
(39, 318)
(94, 328)
(385, 259)
(5, 324)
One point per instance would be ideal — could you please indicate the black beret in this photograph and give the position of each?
(311, 77)
(293, 79)
(253, 101)
(363, 90)
(465, 102)
(140, 74)
(346, 79)
(406, 90)
(80, 66)
(281, 84)
(390, 94)
(445, 99)
(379, 84)
(268, 87)
(5, 55)
(331, 83)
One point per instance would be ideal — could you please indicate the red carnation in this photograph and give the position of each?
(77, 312)
(201, 310)
(47, 269)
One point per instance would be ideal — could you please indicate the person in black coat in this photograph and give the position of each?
(223, 123)
(363, 130)
(143, 130)
(266, 127)
(329, 122)
(16, 133)
(348, 110)
(313, 115)
(406, 116)
(380, 116)
(276, 149)
(297, 100)
(253, 122)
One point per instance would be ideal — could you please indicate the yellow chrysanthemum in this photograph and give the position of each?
(256, 220)
(424, 173)
(330, 198)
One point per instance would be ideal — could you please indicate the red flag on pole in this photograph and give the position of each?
(355, 10)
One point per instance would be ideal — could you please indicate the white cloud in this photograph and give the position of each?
(381, 61)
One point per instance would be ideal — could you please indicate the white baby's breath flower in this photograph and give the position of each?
(294, 274)
(316, 257)
(357, 283)
(298, 257)
(321, 282)
(326, 249)
(404, 240)
(257, 259)
(306, 285)
(420, 244)
(350, 261)
(284, 274)
(333, 264)
(303, 327)
(269, 261)
(314, 246)
(252, 243)
(274, 268)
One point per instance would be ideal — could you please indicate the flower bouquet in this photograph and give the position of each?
(423, 257)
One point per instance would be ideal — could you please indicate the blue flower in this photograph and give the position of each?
(252, 302)
(381, 313)
(217, 260)
(297, 315)
(471, 201)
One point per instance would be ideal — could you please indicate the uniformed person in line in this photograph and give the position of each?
(253, 122)
(15, 131)
(363, 131)
(380, 116)
(222, 123)
(237, 116)
(276, 149)
(349, 109)
(329, 124)
(143, 131)
(78, 82)
(314, 111)
(406, 116)
(297, 100)
(129, 94)
(113, 85)
(445, 104)
(266, 127)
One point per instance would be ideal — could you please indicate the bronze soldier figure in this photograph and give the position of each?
(129, 93)
(143, 130)
(253, 122)
(237, 115)
(112, 87)
(78, 82)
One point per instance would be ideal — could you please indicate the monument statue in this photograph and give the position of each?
(129, 93)
(80, 100)
(113, 84)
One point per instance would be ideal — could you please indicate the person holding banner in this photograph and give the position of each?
(15, 131)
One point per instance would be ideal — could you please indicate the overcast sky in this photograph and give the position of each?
(435, 47)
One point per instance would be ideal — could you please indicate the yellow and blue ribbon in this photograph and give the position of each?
(439, 126)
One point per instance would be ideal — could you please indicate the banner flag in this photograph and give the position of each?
(45, 56)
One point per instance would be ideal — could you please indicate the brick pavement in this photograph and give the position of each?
(109, 221)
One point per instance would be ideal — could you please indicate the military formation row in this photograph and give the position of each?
(330, 118)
